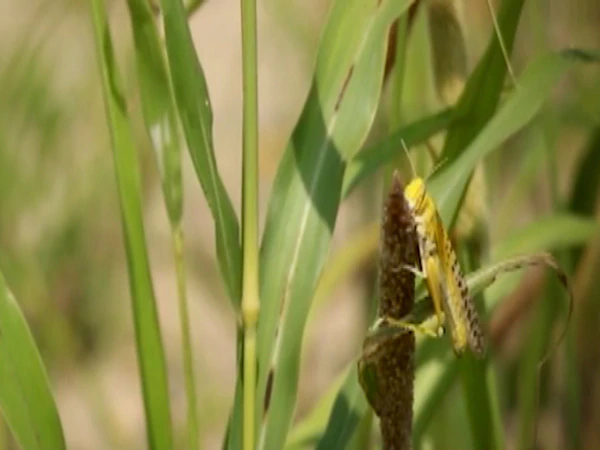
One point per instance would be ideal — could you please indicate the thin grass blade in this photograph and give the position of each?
(584, 195)
(369, 160)
(158, 104)
(26, 400)
(150, 351)
(561, 230)
(481, 94)
(193, 103)
(521, 106)
(162, 126)
(308, 432)
(348, 410)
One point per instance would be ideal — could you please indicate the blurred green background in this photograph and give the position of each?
(61, 248)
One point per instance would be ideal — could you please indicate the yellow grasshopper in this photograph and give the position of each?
(442, 273)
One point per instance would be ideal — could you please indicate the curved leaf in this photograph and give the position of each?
(308, 432)
(162, 126)
(26, 400)
(306, 193)
(557, 231)
(481, 94)
(193, 103)
(158, 106)
(349, 408)
(370, 159)
(535, 86)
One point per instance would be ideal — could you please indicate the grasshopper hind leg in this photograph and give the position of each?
(423, 328)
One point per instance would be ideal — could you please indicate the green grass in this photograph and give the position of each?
(278, 281)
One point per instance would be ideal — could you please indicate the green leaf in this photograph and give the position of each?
(482, 92)
(554, 233)
(348, 410)
(419, 96)
(26, 400)
(584, 194)
(150, 351)
(449, 49)
(557, 231)
(306, 193)
(433, 380)
(160, 116)
(521, 106)
(308, 432)
(587, 182)
(158, 105)
(371, 159)
(191, 94)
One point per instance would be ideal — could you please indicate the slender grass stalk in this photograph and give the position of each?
(186, 341)
(149, 347)
(505, 53)
(250, 294)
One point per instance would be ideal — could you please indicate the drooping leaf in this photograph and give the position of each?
(535, 86)
(195, 113)
(556, 231)
(372, 158)
(349, 408)
(158, 105)
(26, 400)
(481, 94)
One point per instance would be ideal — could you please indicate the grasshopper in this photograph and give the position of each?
(442, 273)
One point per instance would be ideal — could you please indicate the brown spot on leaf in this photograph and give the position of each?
(344, 86)
(268, 391)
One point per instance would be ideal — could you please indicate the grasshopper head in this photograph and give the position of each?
(416, 195)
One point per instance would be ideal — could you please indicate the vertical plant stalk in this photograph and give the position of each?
(387, 366)
(250, 292)
(149, 347)
(159, 111)
(186, 340)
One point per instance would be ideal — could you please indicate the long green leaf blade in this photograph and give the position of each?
(535, 86)
(306, 194)
(368, 161)
(191, 94)
(560, 230)
(150, 351)
(349, 408)
(157, 103)
(162, 126)
(26, 400)
(482, 92)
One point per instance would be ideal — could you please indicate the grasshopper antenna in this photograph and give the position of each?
(414, 172)
(437, 167)
(509, 68)
(412, 167)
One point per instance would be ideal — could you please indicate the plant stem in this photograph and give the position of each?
(186, 341)
(250, 293)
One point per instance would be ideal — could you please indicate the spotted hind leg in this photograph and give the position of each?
(431, 330)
